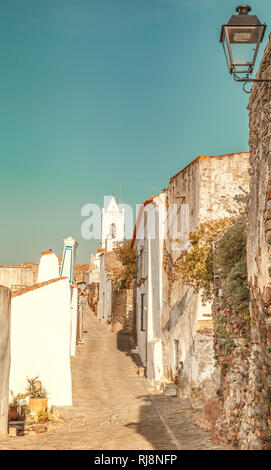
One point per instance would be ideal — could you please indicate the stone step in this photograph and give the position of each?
(170, 390)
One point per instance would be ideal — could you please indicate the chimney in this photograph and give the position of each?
(68, 259)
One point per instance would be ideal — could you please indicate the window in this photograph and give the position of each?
(113, 230)
(141, 273)
(143, 313)
(145, 225)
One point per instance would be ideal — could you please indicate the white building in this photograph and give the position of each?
(41, 339)
(94, 267)
(105, 263)
(174, 328)
(44, 330)
(206, 187)
(112, 223)
(148, 242)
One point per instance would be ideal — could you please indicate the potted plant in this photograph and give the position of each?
(16, 405)
(13, 408)
(37, 395)
(43, 417)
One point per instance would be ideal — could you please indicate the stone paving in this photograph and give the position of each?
(113, 408)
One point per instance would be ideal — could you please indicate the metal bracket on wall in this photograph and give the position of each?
(250, 80)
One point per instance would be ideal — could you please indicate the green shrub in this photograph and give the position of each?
(231, 248)
(236, 288)
(231, 259)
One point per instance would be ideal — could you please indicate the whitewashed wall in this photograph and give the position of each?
(105, 295)
(48, 267)
(4, 357)
(111, 214)
(74, 318)
(149, 341)
(41, 340)
(142, 332)
(94, 268)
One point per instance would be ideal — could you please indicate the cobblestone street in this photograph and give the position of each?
(114, 408)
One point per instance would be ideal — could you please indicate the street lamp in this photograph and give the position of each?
(241, 38)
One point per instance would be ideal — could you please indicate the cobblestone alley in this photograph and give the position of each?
(114, 408)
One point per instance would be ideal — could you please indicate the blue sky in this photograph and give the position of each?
(102, 94)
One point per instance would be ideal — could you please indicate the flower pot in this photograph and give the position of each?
(37, 404)
(13, 413)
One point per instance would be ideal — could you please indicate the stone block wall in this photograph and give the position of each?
(123, 313)
(243, 397)
(232, 346)
(17, 277)
(256, 426)
(93, 296)
(243, 348)
(4, 357)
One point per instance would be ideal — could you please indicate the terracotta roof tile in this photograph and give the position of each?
(50, 252)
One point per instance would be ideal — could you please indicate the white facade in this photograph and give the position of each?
(41, 340)
(112, 223)
(4, 357)
(149, 247)
(67, 270)
(94, 268)
(45, 328)
(105, 294)
(74, 318)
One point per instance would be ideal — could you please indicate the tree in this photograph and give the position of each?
(127, 256)
(197, 265)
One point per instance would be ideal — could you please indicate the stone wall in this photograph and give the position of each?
(4, 357)
(243, 400)
(16, 277)
(232, 345)
(256, 427)
(123, 314)
(93, 296)
(243, 348)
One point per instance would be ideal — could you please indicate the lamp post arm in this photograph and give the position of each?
(250, 80)
(261, 80)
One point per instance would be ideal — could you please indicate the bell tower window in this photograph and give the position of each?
(113, 230)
